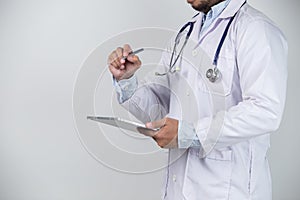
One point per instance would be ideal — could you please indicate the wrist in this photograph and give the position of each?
(124, 77)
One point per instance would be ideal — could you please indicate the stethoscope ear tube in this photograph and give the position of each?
(213, 74)
(177, 40)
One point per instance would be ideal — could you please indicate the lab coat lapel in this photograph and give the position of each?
(197, 26)
(232, 8)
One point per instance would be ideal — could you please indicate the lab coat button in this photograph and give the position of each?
(194, 52)
(174, 178)
(188, 93)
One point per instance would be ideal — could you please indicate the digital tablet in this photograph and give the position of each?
(125, 124)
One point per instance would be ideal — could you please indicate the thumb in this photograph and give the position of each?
(156, 124)
(133, 58)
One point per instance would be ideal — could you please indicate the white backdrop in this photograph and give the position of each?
(42, 47)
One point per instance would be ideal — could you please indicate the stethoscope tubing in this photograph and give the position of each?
(212, 74)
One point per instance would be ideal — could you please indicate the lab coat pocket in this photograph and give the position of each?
(217, 93)
(209, 177)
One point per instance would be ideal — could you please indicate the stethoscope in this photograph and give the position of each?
(212, 74)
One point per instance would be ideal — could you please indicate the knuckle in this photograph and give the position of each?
(160, 144)
(117, 62)
(159, 135)
(111, 61)
(112, 64)
(119, 49)
(127, 46)
(110, 57)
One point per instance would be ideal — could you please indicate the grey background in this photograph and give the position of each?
(42, 46)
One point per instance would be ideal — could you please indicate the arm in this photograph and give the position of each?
(155, 97)
(262, 66)
(125, 88)
(148, 100)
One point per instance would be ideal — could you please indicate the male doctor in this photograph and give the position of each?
(222, 148)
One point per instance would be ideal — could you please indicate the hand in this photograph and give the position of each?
(120, 68)
(167, 136)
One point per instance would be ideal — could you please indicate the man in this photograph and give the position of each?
(222, 149)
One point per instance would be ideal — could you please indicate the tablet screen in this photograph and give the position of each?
(124, 124)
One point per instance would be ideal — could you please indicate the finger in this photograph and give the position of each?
(158, 138)
(173, 143)
(116, 73)
(133, 58)
(156, 124)
(112, 60)
(116, 62)
(121, 61)
(135, 61)
(158, 135)
(163, 141)
(113, 69)
(114, 65)
(127, 50)
(119, 52)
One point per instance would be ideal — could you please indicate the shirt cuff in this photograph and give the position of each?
(187, 136)
(125, 88)
(203, 126)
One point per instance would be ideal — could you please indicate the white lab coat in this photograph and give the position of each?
(233, 124)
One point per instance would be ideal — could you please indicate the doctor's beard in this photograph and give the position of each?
(203, 5)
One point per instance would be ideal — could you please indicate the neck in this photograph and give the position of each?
(210, 5)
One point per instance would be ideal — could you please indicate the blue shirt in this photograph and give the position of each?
(125, 88)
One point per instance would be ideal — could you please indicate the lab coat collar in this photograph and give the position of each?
(196, 17)
(232, 8)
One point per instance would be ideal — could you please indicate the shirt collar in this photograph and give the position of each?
(216, 10)
(231, 8)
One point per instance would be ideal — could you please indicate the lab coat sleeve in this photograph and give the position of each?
(150, 101)
(186, 133)
(261, 57)
(187, 136)
(125, 88)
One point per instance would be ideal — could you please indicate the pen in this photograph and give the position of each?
(133, 52)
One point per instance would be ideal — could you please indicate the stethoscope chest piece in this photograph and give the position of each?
(213, 74)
